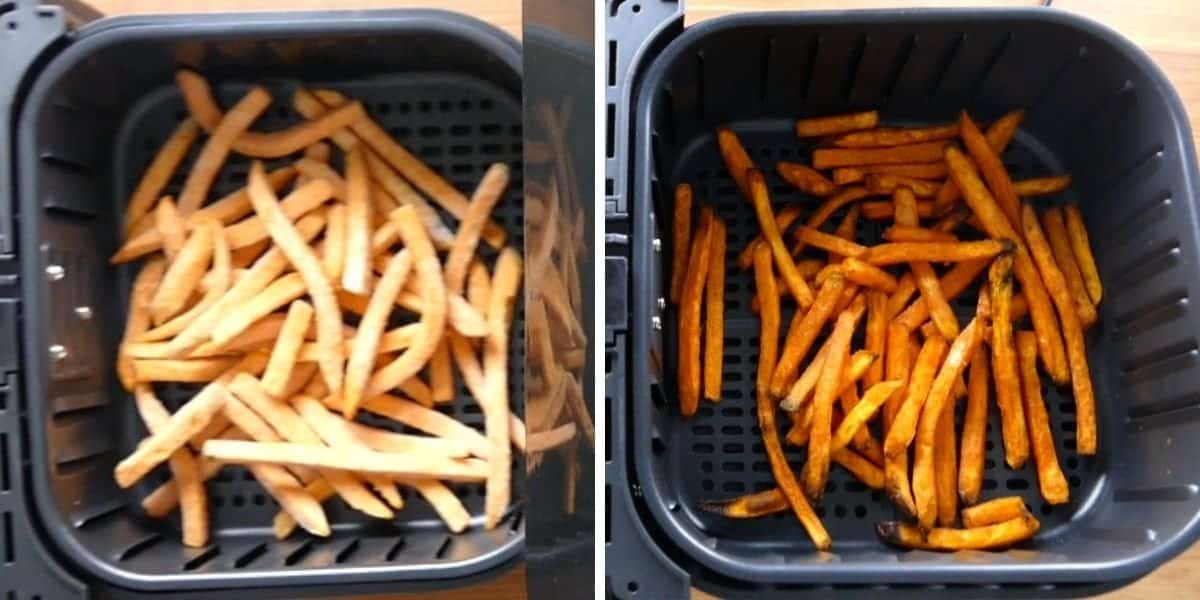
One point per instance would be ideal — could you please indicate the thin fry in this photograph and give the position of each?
(998, 135)
(364, 461)
(737, 161)
(487, 194)
(899, 252)
(911, 233)
(990, 537)
(1051, 481)
(689, 314)
(170, 226)
(875, 340)
(283, 355)
(868, 275)
(987, 160)
(896, 137)
(862, 412)
(903, 427)
(833, 125)
(805, 178)
(828, 158)
(750, 506)
(158, 173)
(766, 220)
(138, 319)
(217, 148)
(945, 466)
(994, 511)
(803, 332)
(886, 183)
(356, 272)
(365, 348)
(974, 432)
(681, 239)
(193, 501)
(816, 469)
(714, 317)
(182, 276)
(1004, 364)
(1041, 186)
(1077, 233)
(189, 420)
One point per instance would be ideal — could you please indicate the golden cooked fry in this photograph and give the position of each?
(158, 173)
(875, 340)
(929, 170)
(217, 148)
(952, 284)
(764, 280)
(333, 247)
(816, 469)
(1081, 378)
(994, 511)
(988, 162)
(912, 233)
(1041, 186)
(805, 178)
(974, 431)
(894, 253)
(783, 219)
(884, 209)
(945, 467)
(766, 220)
(868, 275)
(940, 400)
(831, 243)
(170, 226)
(1077, 233)
(356, 271)
(681, 240)
(801, 390)
(885, 183)
(989, 537)
(283, 356)
(737, 161)
(138, 320)
(906, 286)
(1004, 364)
(835, 124)
(998, 135)
(849, 225)
(953, 219)
(1056, 233)
(862, 469)
(689, 314)
(441, 374)
(828, 158)
(803, 332)
(714, 316)
(193, 501)
(749, 506)
(862, 412)
(900, 363)
(1050, 343)
(904, 425)
(827, 208)
(896, 137)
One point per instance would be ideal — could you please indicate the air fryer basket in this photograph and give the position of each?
(446, 86)
(1098, 109)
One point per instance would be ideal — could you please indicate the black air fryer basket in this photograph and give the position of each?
(91, 109)
(1098, 109)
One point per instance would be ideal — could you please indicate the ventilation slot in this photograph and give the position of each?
(395, 550)
(5, 484)
(344, 554)
(201, 559)
(898, 67)
(138, 547)
(99, 513)
(1140, 220)
(252, 555)
(1149, 264)
(10, 548)
(1136, 321)
(990, 66)
(443, 549)
(944, 65)
(1141, 162)
(298, 554)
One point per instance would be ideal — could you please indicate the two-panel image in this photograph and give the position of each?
(541, 299)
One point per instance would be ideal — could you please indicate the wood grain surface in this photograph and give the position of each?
(1168, 31)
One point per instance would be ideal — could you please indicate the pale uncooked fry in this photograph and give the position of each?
(441, 373)
(303, 200)
(487, 194)
(319, 171)
(216, 284)
(183, 276)
(284, 419)
(441, 234)
(329, 317)
(382, 203)
(198, 370)
(276, 295)
(190, 419)
(422, 418)
(159, 172)
(516, 432)
(543, 441)
(283, 356)
(333, 247)
(544, 240)
(283, 524)
(363, 461)
(226, 210)
(216, 149)
(159, 503)
(138, 319)
(366, 341)
(170, 227)
(318, 151)
(443, 501)
(505, 285)
(193, 502)
(460, 315)
(479, 285)
(256, 429)
(385, 441)
(291, 495)
(433, 319)
(391, 341)
(356, 273)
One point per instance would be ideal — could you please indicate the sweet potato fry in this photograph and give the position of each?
(283, 356)
(835, 124)
(880, 210)
(803, 332)
(689, 314)
(737, 161)
(1077, 233)
(827, 208)
(896, 137)
(1004, 365)
(989, 537)
(1060, 243)
(816, 469)
(1050, 343)
(951, 221)
(830, 243)
(862, 412)
(945, 467)
(875, 340)
(766, 220)
(899, 252)
(988, 162)
(1081, 378)
(929, 170)
(952, 284)
(714, 318)
(906, 286)
(217, 148)
(994, 511)
(974, 431)
(895, 467)
(805, 178)
(886, 183)
(904, 425)
(931, 292)
(807, 382)
(999, 133)
(681, 239)
(764, 280)
(940, 400)
(868, 275)
(783, 219)
(1041, 186)
(849, 225)
(912, 233)
(862, 469)
(828, 158)
(750, 506)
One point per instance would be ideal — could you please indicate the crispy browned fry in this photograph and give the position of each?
(816, 469)
(689, 313)
(885, 183)
(912, 233)
(764, 280)
(953, 219)
(849, 225)
(801, 390)
(737, 161)
(1041, 186)
(906, 286)
(989, 537)
(935, 298)
(835, 124)
(287, 346)
(994, 511)
(1077, 233)
(217, 148)
(1064, 257)
(1004, 364)
(831, 243)
(714, 318)
(900, 362)
(797, 434)
(783, 219)
(899, 252)
(904, 425)
(945, 466)
(998, 135)
(681, 240)
(952, 284)
(289, 240)
(884, 209)
(805, 178)
(138, 319)
(1081, 378)
(987, 160)
(828, 158)
(1050, 343)
(185, 470)
(857, 418)
(939, 401)
(159, 172)
(896, 137)
(803, 332)
(190, 419)
(868, 275)
(827, 208)
(766, 221)
(860, 467)
(930, 170)
(974, 431)
(875, 340)
(750, 506)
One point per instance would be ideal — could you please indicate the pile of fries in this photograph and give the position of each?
(293, 315)
(950, 209)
